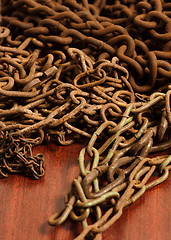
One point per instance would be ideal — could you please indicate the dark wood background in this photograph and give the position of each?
(26, 204)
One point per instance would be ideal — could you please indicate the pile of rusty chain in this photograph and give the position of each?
(99, 70)
(46, 97)
(137, 32)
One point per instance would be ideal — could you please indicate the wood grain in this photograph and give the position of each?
(26, 204)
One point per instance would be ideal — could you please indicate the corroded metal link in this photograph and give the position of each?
(98, 69)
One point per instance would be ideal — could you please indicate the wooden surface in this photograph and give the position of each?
(26, 204)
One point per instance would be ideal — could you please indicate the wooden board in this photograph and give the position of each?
(26, 204)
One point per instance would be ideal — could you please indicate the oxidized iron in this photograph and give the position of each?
(100, 70)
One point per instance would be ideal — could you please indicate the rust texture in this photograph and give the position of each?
(94, 69)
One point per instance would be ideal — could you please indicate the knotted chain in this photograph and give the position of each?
(100, 70)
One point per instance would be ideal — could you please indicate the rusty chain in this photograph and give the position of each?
(99, 69)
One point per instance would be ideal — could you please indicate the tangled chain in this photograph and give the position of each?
(137, 32)
(98, 69)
